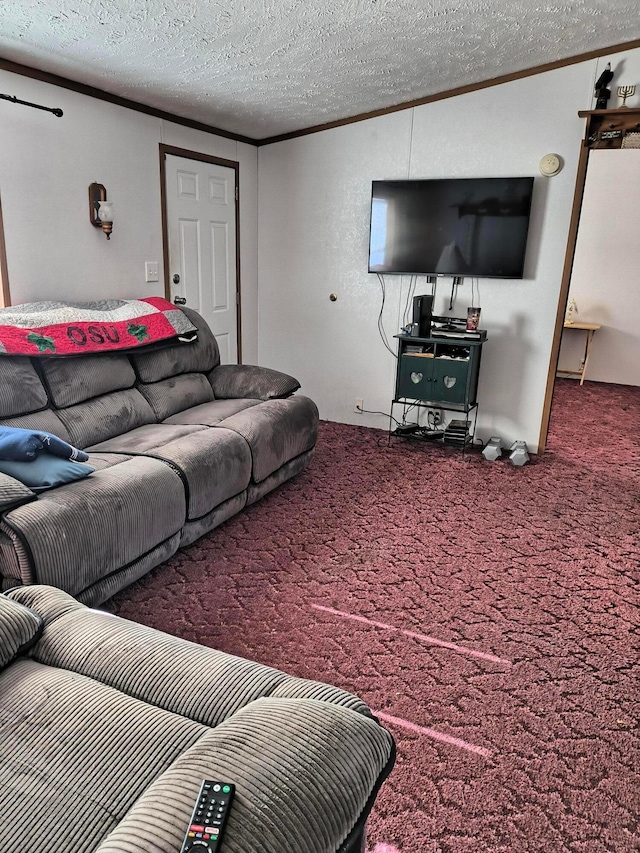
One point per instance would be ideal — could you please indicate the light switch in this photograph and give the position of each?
(151, 271)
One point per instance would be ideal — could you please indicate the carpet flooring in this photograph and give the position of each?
(487, 613)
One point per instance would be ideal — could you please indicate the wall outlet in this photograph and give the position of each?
(151, 271)
(436, 417)
(358, 405)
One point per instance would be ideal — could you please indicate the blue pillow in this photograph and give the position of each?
(46, 471)
(25, 444)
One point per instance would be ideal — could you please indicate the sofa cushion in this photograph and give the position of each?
(74, 380)
(46, 420)
(100, 461)
(21, 390)
(215, 465)
(211, 414)
(276, 431)
(78, 534)
(99, 419)
(185, 678)
(199, 357)
(84, 750)
(145, 438)
(248, 380)
(19, 629)
(176, 393)
(157, 667)
(45, 471)
(287, 759)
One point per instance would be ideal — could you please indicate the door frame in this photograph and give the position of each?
(627, 119)
(572, 240)
(218, 161)
(5, 299)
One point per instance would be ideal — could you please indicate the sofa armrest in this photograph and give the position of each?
(306, 775)
(247, 381)
(13, 493)
(159, 668)
(20, 628)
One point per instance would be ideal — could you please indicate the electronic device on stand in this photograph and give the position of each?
(455, 327)
(422, 306)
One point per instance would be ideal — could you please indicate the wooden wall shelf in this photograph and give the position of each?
(615, 112)
(607, 128)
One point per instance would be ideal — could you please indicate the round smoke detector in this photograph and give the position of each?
(550, 165)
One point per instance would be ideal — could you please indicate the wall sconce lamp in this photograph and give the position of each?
(100, 210)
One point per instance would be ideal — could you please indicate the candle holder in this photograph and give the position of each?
(625, 92)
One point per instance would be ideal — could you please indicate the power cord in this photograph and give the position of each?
(475, 292)
(386, 414)
(399, 426)
(412, 287)
(434, 419)
(381, 331)
(455, 283)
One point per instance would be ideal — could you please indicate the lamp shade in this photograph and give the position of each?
(105, 211)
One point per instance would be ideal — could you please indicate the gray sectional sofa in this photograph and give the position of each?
(179, 443)
(109, 728)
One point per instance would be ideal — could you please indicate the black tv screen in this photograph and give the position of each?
(452, 226)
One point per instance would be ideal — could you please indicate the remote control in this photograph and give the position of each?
(209, 817)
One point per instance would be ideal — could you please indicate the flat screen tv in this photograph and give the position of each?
(453, 226)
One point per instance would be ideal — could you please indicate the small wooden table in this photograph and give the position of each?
(590, 329)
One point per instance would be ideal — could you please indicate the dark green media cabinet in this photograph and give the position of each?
(438, 373)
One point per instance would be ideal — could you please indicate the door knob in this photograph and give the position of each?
(179, 300)
(176, 279)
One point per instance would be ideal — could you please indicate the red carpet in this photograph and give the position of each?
(488, 613)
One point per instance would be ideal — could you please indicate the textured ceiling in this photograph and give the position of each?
(260, 68)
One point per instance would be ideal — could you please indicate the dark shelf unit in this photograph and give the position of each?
(443, 374)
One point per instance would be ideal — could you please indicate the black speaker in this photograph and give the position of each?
(422, 314)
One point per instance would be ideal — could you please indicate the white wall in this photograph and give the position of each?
(313, 213)
(314, 195)
(605, 270)
(46, 166)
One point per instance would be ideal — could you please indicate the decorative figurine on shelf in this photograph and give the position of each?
(602, 94)
(572, 309)
(625, 92)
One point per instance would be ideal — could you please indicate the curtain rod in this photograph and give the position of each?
(55, 110)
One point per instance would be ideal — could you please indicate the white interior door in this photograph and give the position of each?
(201, 224)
